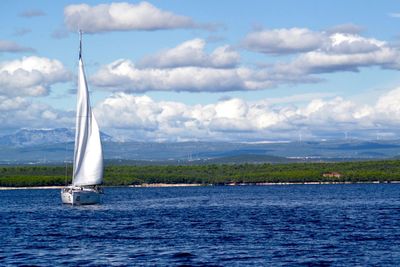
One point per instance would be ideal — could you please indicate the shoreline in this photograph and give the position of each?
(166, 185)
(146, 185)
(30, 187)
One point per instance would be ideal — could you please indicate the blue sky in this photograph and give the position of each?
(205, 70)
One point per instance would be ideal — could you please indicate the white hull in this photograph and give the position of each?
(80, 196)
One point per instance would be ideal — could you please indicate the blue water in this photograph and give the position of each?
(293, 225)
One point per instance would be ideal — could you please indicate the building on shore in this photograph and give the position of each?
(332, 174)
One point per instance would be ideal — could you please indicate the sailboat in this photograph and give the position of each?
(88, 153)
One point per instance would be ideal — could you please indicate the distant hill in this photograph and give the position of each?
(33, 137)
(245, 158)
(52, 146)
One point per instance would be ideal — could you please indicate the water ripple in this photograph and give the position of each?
(313, 225)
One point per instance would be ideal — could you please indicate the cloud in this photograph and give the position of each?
(284, 41)
(134, 112)
(122, 17)
(394, 15)
(31, 76)
(122, 74)
(12, 47)
(345, 52)
(188, 67)
(166, 120)
(388, 106)
(32, 13)
(131, 117)
(191, 53)
(331, 52)
(235, 119)
(18, 112)
(342, 43)
(342, 39)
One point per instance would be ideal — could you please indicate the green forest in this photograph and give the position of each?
(221, 174)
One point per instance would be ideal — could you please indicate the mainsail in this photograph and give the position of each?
(88, 153)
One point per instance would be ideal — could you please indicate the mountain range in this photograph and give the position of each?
(55, 146)
(33, 137)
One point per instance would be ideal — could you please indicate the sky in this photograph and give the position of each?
(205, 70)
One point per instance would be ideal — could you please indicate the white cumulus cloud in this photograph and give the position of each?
(134, 117)
(122, 17)
(18, 112)
(191, 53)
(342, 52)
(190, 67)
(124, 75)
(31, 76)
(342, 48)
(347, 55)
(141, 117)
(388, 107)
(284, 41)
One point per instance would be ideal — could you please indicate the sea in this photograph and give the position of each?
(278, 225)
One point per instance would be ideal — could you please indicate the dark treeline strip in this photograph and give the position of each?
(383, 171)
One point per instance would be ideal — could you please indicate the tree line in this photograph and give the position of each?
(217, 174)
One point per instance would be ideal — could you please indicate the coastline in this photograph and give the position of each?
(30, 187)
(145, 185)
(167, 185)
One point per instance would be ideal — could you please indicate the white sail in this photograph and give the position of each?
(88, 154)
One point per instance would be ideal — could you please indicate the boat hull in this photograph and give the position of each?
(80, 196)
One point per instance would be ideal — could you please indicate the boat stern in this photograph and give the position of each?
(66, 196)
(80, 196)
